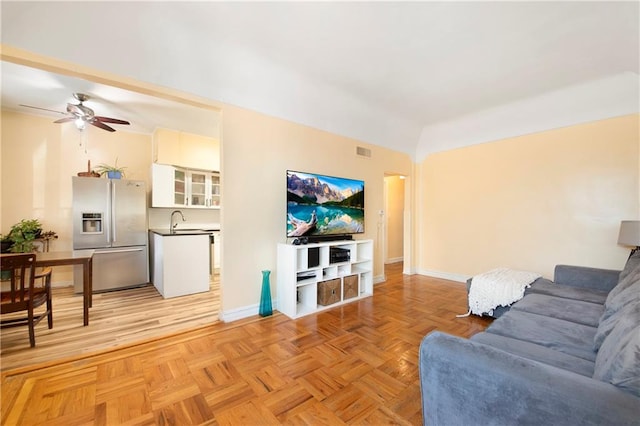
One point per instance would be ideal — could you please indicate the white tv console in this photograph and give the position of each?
(298, 279)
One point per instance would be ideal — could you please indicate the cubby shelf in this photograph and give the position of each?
(300, 275)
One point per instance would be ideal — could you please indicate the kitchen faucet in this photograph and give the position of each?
(172, 227)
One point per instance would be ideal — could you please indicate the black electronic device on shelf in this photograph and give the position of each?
(306, 275)
(338, 255)
(313, 257)
(327, 238)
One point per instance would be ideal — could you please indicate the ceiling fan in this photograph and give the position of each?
(82, 115)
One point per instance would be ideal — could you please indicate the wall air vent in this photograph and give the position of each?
(363, 152)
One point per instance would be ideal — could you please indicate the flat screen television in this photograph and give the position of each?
(323, 206)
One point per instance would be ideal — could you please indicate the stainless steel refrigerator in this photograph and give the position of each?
(110, 216)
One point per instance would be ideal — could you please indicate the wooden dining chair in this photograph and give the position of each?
(19, 292)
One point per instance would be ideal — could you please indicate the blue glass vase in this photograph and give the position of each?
(265, 297)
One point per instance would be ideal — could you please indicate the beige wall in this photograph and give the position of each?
(257, 150)
(38, 160)
(395, 218)
(530, 202)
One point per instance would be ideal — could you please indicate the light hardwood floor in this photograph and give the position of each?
(117, 318)
(354, 364)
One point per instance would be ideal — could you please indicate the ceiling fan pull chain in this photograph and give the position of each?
(83, 142)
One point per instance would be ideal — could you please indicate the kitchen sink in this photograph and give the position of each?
(185, 231)
(191, 231)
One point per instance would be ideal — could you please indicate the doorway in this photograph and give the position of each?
(394, 220)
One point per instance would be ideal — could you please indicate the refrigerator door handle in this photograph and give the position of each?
(118, 251)
(109, 214)
(113, 213)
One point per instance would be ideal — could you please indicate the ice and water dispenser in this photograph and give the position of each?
(92, 223)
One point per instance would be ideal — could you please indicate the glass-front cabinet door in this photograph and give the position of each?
(179, 187)
(198, 195)
(214, 190)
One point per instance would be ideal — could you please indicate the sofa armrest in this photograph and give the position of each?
(585, 277)
(465, 382)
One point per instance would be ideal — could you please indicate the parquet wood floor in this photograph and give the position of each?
(355, 364)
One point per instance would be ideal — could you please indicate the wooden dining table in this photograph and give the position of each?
(73, 257)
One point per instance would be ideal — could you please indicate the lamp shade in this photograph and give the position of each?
(629, 233)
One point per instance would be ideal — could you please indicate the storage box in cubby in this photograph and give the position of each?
(350, 286)
(328, 292)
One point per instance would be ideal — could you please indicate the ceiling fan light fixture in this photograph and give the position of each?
(80, 124)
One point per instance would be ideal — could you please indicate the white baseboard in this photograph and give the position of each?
(394, 260)
(243, 312)
(239, 313)
(444, 275)
(379, 279)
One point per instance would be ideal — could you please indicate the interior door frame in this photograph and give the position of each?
(406, 220)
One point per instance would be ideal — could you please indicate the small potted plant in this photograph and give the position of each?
(112, 172)
(23, 234)
(6, 248)
(6, 243)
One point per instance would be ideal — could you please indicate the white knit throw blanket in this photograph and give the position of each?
(498, 287)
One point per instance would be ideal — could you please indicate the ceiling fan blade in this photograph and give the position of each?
(102, 126)
(44, 109)
(65, 120)
(111, 120)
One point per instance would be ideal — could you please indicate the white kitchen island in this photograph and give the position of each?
(180, 262)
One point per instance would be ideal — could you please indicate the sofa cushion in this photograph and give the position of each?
(586, 277)
(630, 279)
(605, 327)
(618, 358)
(621, 291)
(565, 336)
(630, 288)
(633, 263)
(586, 313)
(537, 353)
(499, 311)
(568, 292)
(626, 302)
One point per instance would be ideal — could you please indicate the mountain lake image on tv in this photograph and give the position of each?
(323, 205)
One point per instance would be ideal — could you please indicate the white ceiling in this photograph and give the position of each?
(379, 72)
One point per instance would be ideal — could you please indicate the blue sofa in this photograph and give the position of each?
(567, 353)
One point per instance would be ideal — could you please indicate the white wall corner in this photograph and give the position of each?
(608, 97)
(379, 279)
(409, 271)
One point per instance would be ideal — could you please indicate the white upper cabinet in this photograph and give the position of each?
(180, 187)
(186, 150)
